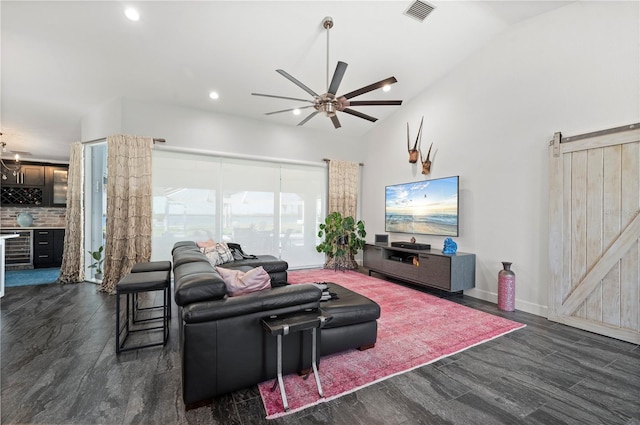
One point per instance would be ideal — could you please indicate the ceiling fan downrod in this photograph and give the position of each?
(327, 23)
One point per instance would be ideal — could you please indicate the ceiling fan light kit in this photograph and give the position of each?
(329, 103)
(15, 169)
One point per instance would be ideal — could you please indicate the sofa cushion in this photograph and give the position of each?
(270, 263)
(185, 256)
(195, 279)
(299, 296)
(240, 283)
(199, 287)
(184, 245)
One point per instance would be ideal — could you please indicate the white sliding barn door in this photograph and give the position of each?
(594, 232)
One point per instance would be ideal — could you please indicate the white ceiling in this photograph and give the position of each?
(60, 59)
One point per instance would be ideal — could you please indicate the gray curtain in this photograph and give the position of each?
(128, 232)
(72, 269)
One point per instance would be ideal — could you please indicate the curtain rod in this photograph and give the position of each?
(104, 139)
(327, 160)
(218, 154)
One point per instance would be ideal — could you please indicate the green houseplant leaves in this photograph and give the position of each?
(96, 256)
(343, 237)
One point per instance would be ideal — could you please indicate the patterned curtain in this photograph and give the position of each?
(343, 198)
(72, 269)
(128, 233)
(343, 187)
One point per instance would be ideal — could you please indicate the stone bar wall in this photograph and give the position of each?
(42, 217)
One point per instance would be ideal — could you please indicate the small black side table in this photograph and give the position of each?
(286, 324)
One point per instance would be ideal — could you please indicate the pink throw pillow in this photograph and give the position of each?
(241, 283)
(206, 244)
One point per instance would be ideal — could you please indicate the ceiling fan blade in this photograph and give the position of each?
(360, 115)
(282, 97)
(311, 115)
(337, 78)
(370, 87)
(289, 110)
(336, 121)
(296, 82)
(375, 103)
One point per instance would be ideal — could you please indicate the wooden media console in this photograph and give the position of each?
(430, 268)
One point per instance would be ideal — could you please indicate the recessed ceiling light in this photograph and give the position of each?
(386, 88)
(296, 112)
(132, 14)
(214, 95)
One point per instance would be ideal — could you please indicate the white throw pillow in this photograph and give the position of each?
(218, 254)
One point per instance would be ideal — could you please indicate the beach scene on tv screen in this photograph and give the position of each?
(427, 207)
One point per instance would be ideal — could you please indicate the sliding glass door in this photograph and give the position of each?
(268, 207)
(250, 196)
(95, 201)
(302, 209)
(185, 200)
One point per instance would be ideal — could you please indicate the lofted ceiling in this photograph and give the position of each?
(61, 59)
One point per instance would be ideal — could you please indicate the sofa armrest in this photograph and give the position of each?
(266, 301)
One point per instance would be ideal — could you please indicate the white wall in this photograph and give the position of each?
(574, 70)
(202, 130)
(102, 121)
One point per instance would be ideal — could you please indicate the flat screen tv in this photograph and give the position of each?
(428, 207)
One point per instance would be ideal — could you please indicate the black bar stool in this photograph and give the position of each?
(131, 285)
(151, 266)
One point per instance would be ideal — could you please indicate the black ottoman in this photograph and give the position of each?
(353, 323)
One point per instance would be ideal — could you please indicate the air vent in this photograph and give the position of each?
(419, 10)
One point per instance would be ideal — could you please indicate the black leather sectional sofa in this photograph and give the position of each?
(222, 343)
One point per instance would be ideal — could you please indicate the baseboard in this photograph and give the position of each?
(492, 297)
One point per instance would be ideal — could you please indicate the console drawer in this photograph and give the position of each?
(435, 271)
(372, 257)
(401, 269)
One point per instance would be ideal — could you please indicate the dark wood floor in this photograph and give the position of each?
(59, 367)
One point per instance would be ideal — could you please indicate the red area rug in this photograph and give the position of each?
(414, 329)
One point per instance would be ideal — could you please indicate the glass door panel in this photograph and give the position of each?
(95, 162)
(185, 204)
(251, 195)
(60, 187)
(301, 211)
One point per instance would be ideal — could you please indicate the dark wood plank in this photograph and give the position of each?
(58, 366)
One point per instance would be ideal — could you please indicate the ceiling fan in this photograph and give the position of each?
(328, 102)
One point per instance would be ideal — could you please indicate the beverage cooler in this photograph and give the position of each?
(18, 251)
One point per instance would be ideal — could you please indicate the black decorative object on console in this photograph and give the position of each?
(409, 245)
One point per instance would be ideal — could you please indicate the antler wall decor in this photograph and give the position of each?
(426, 164)
(413, 152)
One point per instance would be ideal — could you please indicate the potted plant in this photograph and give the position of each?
(343, 237)
(96, 256)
